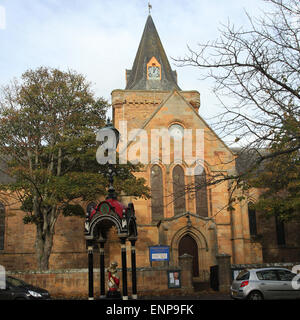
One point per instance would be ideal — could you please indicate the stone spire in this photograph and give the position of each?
(151, 69)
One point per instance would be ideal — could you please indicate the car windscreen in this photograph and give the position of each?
(243, 275)
(15, 282)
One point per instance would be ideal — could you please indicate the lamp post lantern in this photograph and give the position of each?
(109, 147)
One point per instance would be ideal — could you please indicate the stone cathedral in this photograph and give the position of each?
(196, 223)
(186, 221)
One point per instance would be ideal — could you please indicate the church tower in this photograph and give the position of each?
(148, 82)
(196, 223)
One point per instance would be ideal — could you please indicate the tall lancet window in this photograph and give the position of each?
(280, 231)
(2, 225)
(178, 190)
(157, 193)
(201, 192)
(252, 219)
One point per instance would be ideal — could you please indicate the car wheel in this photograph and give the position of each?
(255, 295)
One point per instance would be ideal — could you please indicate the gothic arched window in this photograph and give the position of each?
(2, 225)
(201, 192)
(280, 231)
(252, 219)
(178, 190)
(157, 193)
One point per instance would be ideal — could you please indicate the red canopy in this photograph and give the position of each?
(118, 207)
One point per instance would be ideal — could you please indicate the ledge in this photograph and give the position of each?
(96, 270)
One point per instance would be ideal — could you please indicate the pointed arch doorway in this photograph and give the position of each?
(187, 244)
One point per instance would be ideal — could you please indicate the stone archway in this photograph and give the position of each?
(201, 245)
(187, 244)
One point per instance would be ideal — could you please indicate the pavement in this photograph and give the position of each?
(197, 296)
(200, 296)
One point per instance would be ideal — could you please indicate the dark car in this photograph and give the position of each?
(19, 290)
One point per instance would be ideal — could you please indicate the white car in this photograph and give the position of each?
(266, 283)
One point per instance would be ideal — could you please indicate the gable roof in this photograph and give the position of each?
(150, 46)
(193, 110)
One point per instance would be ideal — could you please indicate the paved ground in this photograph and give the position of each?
(201, 296)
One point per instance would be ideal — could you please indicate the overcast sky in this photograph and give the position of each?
(99, 38)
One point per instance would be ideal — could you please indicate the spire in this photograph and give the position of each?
(151, 54)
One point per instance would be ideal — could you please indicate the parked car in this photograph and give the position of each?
(19, 290)
(265, 283)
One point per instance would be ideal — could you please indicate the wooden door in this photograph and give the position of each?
(188, 245)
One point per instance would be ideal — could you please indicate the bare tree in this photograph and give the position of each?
(258, 69)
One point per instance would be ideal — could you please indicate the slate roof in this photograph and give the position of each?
(247, 159)
(150, 46)
(4, 178)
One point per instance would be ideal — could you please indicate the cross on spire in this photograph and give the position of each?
(149, 7)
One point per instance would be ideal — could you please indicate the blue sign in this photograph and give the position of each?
(159, 253)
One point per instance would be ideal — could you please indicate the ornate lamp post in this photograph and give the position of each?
(113, 212)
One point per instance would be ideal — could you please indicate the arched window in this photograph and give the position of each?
(280, 231)
(2, 225)
(252, 219)
(157, 193)
(201, 192)
(178, 190)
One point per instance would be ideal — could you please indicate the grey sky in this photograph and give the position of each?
(99, 38)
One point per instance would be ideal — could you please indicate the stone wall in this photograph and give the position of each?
(273, 252)
(73, 283)
(69, 247)
(287, 265)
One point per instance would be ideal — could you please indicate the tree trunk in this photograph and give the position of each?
(44, 243)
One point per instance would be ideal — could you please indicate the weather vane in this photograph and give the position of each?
(150, 7)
